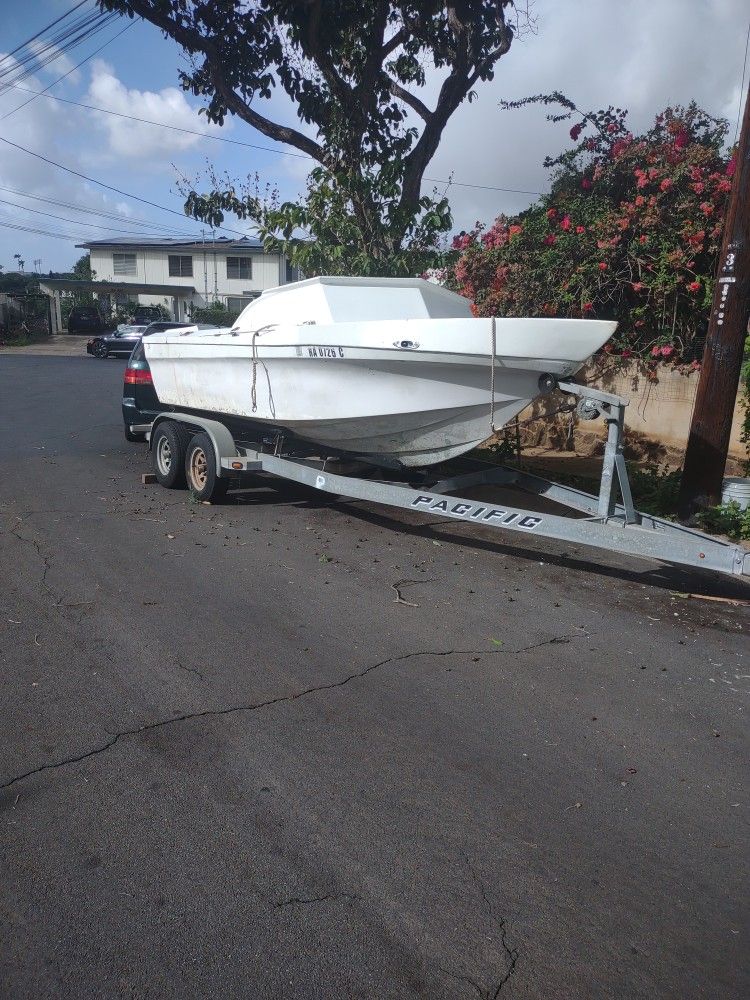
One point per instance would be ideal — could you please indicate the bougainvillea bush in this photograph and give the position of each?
(630, 230)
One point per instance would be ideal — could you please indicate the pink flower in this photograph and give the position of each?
(640, 200)
(694, 286)
(655, 352)
(602, 265)
(611, 128)
(576, 131)
(667, 352)
(637, 286)
(682, 139)
(619, 147)
(565, 223)
(666, 184)
(580, 229)
(551, 213)
(731, 167)
(724, 185)
(643, 239)
(586, 184)
(515, 230)
(698, 187)
(588, 306)
(706, 207)
(625, 352)
(549, 240)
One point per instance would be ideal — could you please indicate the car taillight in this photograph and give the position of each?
(138, 376)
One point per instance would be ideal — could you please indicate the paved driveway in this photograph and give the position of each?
(233, 765)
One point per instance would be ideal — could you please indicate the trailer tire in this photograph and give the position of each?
(201, 473)
(168, 448)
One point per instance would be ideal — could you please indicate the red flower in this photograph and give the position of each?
(515, 230)
(706, 207)
(549, 240)
(580, 229)
(637, 286)
(551, 213)
(625, 352)
(695, 173)
(586, 184)
(696, 240)
(588, 306)
(643, 239)
(576, 131)
(724, 185)
(694, 286)
(666, 184)
(698, 187)
(640, 200)
(565, 223)
(682, 139)
(611, 128)
(619, 147)
(731, 167)
(602, 266)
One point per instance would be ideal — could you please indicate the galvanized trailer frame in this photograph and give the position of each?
(605, 524)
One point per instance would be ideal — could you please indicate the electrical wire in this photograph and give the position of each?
(125, 220)
(240, 142)
(54, 83)
(742, 86)
(108, 187)
(42, 30)
(79, 222)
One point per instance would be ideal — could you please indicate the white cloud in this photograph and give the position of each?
(152, 147)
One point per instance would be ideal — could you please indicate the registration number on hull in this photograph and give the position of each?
(314, 351)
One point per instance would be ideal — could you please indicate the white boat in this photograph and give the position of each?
(394, 369)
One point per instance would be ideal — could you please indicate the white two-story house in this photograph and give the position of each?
(181, 274)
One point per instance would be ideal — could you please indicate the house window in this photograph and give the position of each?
(123, 263)
(180, 267)
(240, 267)
(235, 304)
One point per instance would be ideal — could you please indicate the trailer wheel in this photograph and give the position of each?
(202, 477)
(168, 454)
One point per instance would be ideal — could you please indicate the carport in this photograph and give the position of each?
(181, 295)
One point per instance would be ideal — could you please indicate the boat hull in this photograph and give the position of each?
(417, 404)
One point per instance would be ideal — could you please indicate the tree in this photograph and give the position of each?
(82, 268)
(629, 231)
(355, 73)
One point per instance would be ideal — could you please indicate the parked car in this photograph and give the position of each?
(85, 319)
(122, 340)
(140, 404)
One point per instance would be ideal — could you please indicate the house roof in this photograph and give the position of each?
(173, 242)
(131, 287)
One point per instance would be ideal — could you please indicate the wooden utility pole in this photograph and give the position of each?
(708, 444)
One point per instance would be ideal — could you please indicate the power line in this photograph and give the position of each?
(742, 85)
(109, 187)
(54, 83)
(125, 220)
(240, 142)
(42, 232)
(62, 218)
(42, 30)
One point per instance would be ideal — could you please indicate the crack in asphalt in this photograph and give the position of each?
(45, 559)
(331, 896)
(510, 953)
(279, 699)
(490, 992)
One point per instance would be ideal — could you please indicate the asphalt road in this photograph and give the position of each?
(234, 765)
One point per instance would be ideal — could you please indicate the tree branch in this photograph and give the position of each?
(414, 102)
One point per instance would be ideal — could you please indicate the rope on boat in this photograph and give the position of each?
(256, 359)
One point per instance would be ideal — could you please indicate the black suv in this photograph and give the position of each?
(140, 404)
(85, 319)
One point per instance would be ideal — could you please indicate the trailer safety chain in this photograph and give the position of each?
(256, 359)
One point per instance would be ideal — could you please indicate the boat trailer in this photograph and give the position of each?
(602, 523)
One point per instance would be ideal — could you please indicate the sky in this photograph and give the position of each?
(642, 55)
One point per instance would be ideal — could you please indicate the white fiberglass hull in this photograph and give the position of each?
(413, 391)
